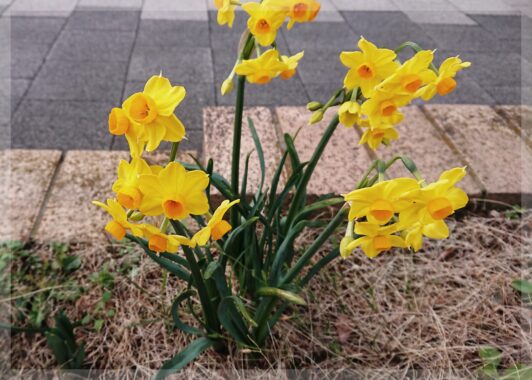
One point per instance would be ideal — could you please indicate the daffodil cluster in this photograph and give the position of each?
(265, 20)
(400, 212)
(143, 191)
(377, 85)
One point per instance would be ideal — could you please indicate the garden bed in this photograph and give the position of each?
(431, 311)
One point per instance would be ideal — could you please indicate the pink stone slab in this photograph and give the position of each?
(491, 147)
(343, 162)
(25, 177)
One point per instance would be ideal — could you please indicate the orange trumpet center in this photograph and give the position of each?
(440, 208)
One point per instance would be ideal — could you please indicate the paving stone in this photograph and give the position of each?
(5, 47)
(174, 10)
(364, 5)
(506, 26)
(190, 111)
(5, 100)
(333, 36)
(174, 33)
(387, 29)
(61, 8)
(493, 150)
(322, 66)
(178, 64)
(436, 6)
(321, 92)
(466, 38)
(24, 179)
(328, 12)
(218, 141)
(444, 17)
(482, 6)
(505, 94)
(421, 142)
(84, 176)
(88, 19)
(343, 162)
(519, 117)
(26, 64)
(110, 4)
(18, 89)
(62, 125)
(93, 45)
(5, 136)
(70, 80)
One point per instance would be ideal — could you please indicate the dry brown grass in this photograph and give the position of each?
(380, 318)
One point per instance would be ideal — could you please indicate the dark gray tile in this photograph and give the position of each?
(26, 63)
(466, 38)
(505, 94)
(321, 92)
(190, 110)
(93, 45)
(103, 20)
(18, 89)
(70, 80)
(332, 35)
(276, 93)
(48, 124)
(503, 26)
(34, 33)
(173, 33)
(178, 64)
(387, 29)
(5, 136)
(5, 100)
(467, 92)
(322, 66)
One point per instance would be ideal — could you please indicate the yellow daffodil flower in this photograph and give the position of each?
(435, 230)
(174, 192)
(444, 83)
(265, 19)
(126, 186)
(226, 12)
(383, 109)
(290, 65)
(302, 11)
(263, 69)
(154, 108)
(349, 113)
(368, 67)
(380, 202)
(120, 224)
(435, 202)
(374, 137)
(120, 125)
(160, 242)
(375, 239)
(411, 76)
(217, 227)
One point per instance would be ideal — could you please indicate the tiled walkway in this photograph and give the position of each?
(72, 60)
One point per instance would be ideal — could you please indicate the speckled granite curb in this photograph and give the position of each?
(48, 193)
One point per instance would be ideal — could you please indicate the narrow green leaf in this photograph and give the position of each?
(260, 153)
(316, 206)
(245, 176)
(490, 355)
(233, 234)
(213, 265)
(232, 321)
(58, 348)
(517, 372)
(276, 178)
(243, 310)
(523, 286)
(267, 291)
(191, 352)
(175, 314)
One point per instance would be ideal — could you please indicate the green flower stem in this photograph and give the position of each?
(416, 48)
(300, 191)
(237, 136)
(173, 152)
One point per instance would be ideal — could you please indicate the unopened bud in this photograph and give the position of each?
(344, 244)
(227, 86)
(314, 106)
(137, 216)
(316, 117)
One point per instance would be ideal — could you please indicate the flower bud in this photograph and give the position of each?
(227, 86)
(314, 106)
(344, 243)
(316, 117)
(137, 216)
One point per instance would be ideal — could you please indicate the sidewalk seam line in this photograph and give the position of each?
(454, 149)
(46, 197)
(512, 125)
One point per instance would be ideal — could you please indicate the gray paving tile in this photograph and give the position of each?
(504, 26)
(482, 6)
(328, 12)
(444, 17)
(174, 10)
(387, 29)
(175, 33)
(505, 94)
(93, 45)
(464, 38)
(199, 95)
(178, 64)
(5, 100)
(5, 136)
(70, 80)
(35, 34)
(322, 66)
(110, 4)
(331, 35)
(62, 8)
(26, 63)
(435, 6)
(321, 92)
(87, 19)
(18, 89)
(61, 125)
(365, 5)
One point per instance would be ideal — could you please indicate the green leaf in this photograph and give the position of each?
(523, 286)
(106, 296)
(58, 348)
(517, 372)
(213, 265)
(316, 206)
(98, 324)
(243, 311)
(191, 352)
(233, 234)
(260, 153)
(71, 263)
(276, 177)
(490, 355)
(266, 291)
(175, 313)
(111, 313)
(232, 321)
(245, 176)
